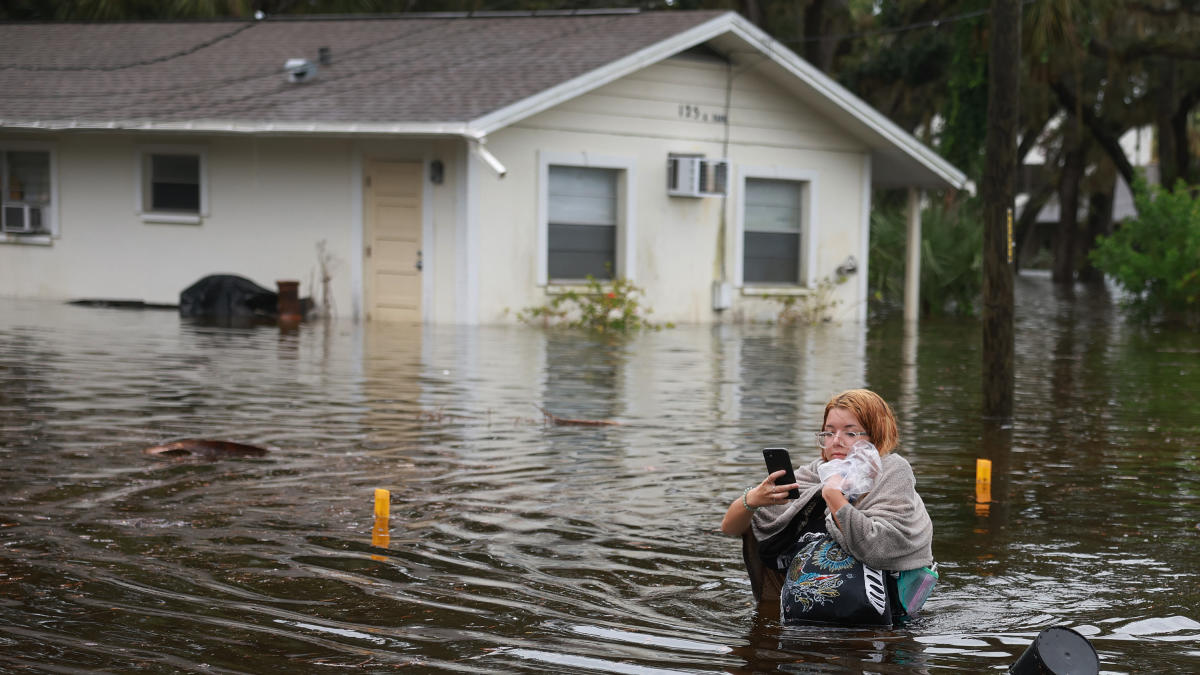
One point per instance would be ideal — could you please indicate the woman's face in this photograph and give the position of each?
(839, 421)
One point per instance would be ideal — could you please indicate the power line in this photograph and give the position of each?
(929, 23)
(332, 87)
(134, 64)
(200, 86)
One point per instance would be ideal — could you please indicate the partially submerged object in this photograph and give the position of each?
(227, 297)
(199, 448)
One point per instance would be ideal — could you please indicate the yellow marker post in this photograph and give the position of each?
(983, 471)
(383, 502)
(1010, 238)
(983, 486)
(379, 533)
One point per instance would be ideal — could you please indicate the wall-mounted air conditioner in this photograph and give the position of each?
(21, 218)
(696, 176)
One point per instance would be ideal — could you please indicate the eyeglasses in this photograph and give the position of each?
(824, 437)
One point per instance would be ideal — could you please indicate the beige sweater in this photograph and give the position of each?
(888, 528)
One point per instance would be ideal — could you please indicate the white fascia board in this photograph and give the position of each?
(848, 102)
(599, 77)
(249, 127)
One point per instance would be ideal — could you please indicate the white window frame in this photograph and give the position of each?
(50, 215)
(626, 202)
(808, 234)
(141, 183)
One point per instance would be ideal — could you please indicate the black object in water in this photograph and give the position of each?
(1058, 651)
(227, 296)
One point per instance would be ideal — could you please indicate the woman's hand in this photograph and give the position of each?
(767, 493)
(831, 492)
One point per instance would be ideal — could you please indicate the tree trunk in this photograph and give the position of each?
(751, 11)
(997, 186)
(1099, 221)
(819, 46)
(1068, 201)
(1166, 97)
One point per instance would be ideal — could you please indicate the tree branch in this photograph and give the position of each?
(1107, 139)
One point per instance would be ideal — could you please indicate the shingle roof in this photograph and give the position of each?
(404, 68)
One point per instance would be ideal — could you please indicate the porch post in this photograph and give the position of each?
(912, 266)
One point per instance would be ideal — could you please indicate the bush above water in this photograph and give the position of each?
(602, 306)
(951, 257)
(1155, 257)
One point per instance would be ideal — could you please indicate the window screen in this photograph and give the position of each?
(772, 231)
(583, 222)
(174, 183)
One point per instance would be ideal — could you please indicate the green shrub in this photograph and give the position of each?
(951, 257)
(1155, 257)
(604, 307)
(813, 308)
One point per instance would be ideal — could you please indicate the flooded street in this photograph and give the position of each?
(521, 546)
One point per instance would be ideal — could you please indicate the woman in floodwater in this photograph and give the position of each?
(887, 528)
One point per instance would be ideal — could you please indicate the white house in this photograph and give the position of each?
(457, 168)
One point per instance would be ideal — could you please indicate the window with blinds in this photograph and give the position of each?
(582, 223)
(773, 224)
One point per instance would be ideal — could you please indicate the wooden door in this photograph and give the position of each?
(392, 259)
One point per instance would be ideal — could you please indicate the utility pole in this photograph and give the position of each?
(999, 179)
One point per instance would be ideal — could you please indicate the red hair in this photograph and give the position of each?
(873, 413)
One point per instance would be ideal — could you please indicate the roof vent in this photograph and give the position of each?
(299, 70)
(324, 56)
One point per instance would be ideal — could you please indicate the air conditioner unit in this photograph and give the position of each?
(19, 219)
(696, 176)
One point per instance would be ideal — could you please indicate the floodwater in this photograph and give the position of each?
(520, 546)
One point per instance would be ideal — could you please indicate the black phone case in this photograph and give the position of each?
(778, 458)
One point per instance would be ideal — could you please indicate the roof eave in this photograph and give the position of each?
(248, 127)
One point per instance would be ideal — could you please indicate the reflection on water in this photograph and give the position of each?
(520, 546)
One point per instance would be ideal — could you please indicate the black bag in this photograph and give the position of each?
(825, 585)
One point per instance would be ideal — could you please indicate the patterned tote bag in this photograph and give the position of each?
(825, 585)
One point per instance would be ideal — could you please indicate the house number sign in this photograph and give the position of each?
(687, 111)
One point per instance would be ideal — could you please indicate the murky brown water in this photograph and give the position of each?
(521, 547)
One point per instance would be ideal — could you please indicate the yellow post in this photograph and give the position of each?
(983, 486)
(379, 533)
(983, 471)
(383, 502)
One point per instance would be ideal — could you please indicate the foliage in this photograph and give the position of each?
(812, 308)
(951, 257)
(604, 307)
(1156, 256)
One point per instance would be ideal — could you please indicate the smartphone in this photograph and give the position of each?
(778, 458)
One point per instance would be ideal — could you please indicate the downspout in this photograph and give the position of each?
(721, 290)
(477, 144)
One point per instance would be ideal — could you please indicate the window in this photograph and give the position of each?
(26, 192)
(772, 229)
(172, 184)
(582, 227)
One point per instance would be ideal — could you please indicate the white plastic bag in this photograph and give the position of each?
(858, 470)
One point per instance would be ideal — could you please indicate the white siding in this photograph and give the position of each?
(672, 107)
(270, 202)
